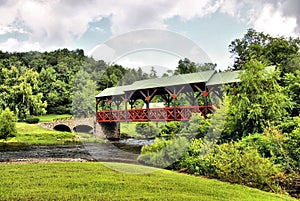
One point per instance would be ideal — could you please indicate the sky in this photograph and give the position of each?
(121, 31)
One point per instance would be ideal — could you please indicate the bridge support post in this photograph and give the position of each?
(110, 130)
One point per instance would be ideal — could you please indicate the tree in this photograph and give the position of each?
(264, 48)
(19, 91)
(292, 89)
(83, 95)
(259, 101)
(153, 73)
(7, 124)
(186, 66)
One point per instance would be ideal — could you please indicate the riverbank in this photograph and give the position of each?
(33, 134)
(41, 160)
(101, 181)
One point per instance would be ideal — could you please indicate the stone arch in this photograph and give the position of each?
(83, 129)
(62, 127)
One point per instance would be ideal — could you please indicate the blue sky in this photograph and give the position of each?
(40, 25)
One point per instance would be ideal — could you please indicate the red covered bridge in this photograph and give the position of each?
(181, 95)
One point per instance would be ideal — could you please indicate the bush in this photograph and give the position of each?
(292, 146)
(198, 126)
(164, 153)
(170, 128)
(195, 160)
(146, 128)
(7, 124)
(32, 120)
(268, 145)
(246, 166)
(232, 162)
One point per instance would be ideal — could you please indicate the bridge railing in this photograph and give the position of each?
(182, 113)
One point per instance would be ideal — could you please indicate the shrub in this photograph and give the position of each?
(292, 146)
(171, 128)
(195, 160)
(198, 126)
(32, 120)
(146, 128)
(7, 124)
(246, 166)
(163, 153)
(268, 145)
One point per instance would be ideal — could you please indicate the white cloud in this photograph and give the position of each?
(59, 23)
(13, 45)
(10, 29)
(278, 18)
(273, 22)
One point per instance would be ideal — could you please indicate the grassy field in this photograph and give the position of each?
(51, 117)
(95, 181)
(35, 135)
(129, 128)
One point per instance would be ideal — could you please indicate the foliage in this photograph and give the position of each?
(95, 181)
(84, 91)
(292, 146)
(33, 83)
(186, 66)
(7, 124)
(170, 128)
(292, 89)
(163, 153)
(244, 166)
(232, 162)
(196, 160)
(32, 120)
(265, 48)
(19, 92)
(146, 129)
(259, 101)
(197, 127)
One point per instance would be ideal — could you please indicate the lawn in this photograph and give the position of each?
(128, 128)
(95, 181)
(51, 117)
(35, 135)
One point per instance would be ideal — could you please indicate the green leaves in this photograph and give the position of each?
(264, 48)
(260, 100)
(7, 124)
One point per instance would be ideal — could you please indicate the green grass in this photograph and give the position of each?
(129, 129)
(51, 117)
(95, 181)
(35, 135)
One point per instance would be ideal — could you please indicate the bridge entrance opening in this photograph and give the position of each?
(83, 129)
(62, 127)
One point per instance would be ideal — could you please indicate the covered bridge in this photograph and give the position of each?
(181, 95)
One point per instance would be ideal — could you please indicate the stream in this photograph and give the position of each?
(123, 150)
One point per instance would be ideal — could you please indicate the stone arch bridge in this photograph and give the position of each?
(84, 125)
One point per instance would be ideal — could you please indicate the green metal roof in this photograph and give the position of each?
(224, 77)
(113, 91)
(172, 80)
(209, 77)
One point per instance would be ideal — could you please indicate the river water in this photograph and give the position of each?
(124, 150)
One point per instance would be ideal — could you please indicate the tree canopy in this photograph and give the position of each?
(265, 48)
